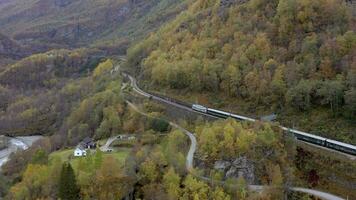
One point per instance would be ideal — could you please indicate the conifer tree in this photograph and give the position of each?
(68, 189)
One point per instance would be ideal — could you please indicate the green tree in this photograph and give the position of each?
(110, 124)
(40, 157)
(159, 125)
(300, 95)
(350, 100)
(278, 86)
(332, 93)
(68, 189)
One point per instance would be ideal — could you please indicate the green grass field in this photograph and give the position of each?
(67, 154)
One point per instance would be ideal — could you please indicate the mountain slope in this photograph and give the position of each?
(276, 56)
(77, 22)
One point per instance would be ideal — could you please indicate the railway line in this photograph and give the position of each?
(317, 141)
(256, 188)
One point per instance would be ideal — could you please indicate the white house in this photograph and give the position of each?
(80, 151)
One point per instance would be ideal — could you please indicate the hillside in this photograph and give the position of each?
(9, 48)
(293, 58)
(69, 23)
(9, 51)
(63, 78)
(32, 90)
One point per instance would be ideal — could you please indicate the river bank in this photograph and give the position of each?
(15, 144)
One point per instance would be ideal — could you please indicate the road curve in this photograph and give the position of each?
(193, 146)
(138, 90)
(193, 141)
(106, 146)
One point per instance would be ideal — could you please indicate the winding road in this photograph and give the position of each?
(147, 95)
(193, 147)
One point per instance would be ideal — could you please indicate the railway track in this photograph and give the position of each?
(257, 188)
(188, 107)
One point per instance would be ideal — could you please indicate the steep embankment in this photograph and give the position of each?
(294, 58)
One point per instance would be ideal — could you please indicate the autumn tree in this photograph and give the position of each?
(171, 182)
(110, 181)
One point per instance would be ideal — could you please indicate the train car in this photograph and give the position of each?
(218, 113)
(309, 137)
(199, 108)
(239, 117)
(340, 146)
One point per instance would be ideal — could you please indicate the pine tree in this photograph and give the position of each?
(68, 189)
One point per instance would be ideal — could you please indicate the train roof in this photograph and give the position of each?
(306, 134)
(219, 111)
(242, 117)
(199, 106)
(341, 144)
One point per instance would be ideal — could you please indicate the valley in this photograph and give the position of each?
(177, 100)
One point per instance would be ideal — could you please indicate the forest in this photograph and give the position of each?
(60, 77)
(156, 170)
(282, 56)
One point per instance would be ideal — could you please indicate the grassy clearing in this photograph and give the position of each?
(67, 155)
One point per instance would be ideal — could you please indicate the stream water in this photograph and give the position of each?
(15, 144)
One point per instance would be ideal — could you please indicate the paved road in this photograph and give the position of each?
(193, 146)
(190, 164)
(106, 147)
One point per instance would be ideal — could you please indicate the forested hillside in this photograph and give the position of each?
(286, 56)
(61, 64)
(33, 90)
(68, 23)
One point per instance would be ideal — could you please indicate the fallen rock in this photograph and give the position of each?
(221, 164)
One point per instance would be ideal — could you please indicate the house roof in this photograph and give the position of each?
(80, 147)
(87, 140)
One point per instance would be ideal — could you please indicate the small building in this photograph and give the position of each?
(80, 151)
(88, 143)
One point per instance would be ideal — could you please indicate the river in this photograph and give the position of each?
(15, 144)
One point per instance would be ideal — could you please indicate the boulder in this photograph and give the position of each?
(222, 165)
(240, 167)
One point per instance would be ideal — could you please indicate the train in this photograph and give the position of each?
(307, 137)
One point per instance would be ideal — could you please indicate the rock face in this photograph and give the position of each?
(240, 167)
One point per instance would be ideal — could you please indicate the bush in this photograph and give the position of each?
(159, 125)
